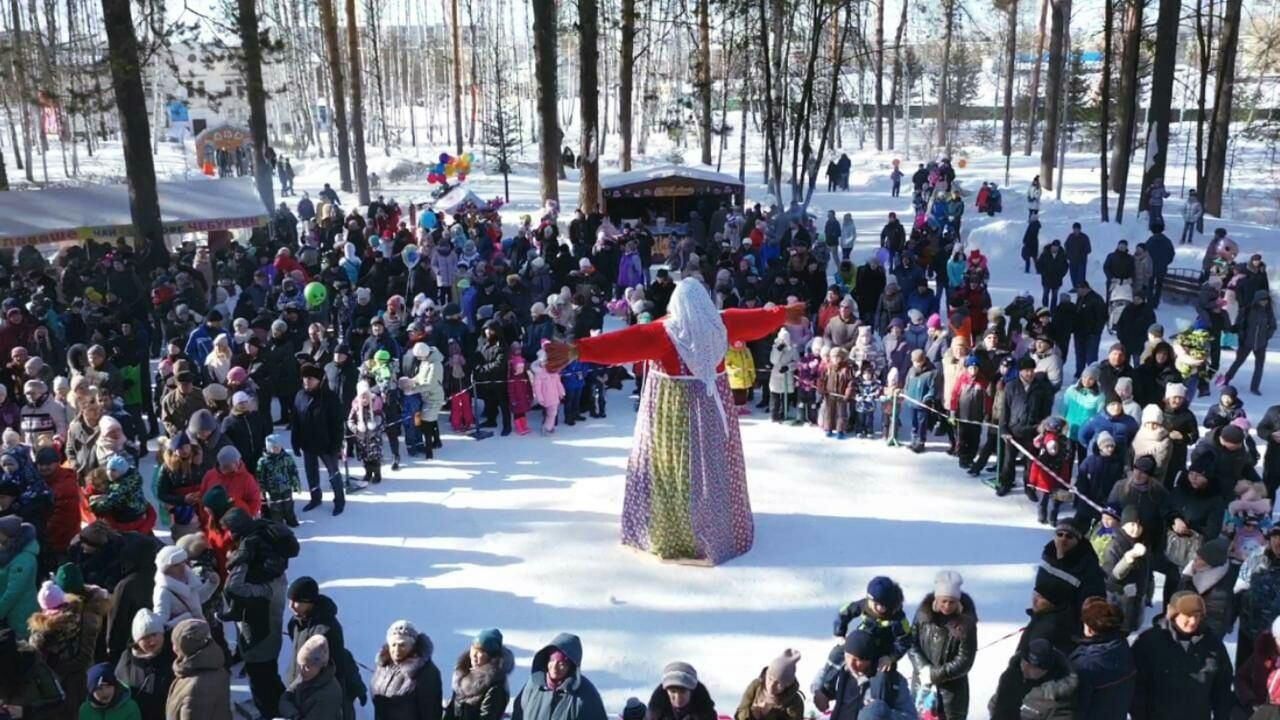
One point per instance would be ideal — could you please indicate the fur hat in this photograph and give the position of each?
(194, 544)
(146, 623)
(214, 393)
(50, 596)
(314, 652)
(679, 674)
(1185, 602)
(947, 584)
(403, 631)
(783, 667)
(312, 371)
(1101, 615)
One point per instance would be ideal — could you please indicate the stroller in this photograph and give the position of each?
(1121, 297)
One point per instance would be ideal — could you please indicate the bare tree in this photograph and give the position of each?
(1104, 124)
(589, 92)
(357, 104)
(1055, 90)
(1163, 68)
(897, 69)
(1220, 123)
(1127, 108)
(329, 21)
(544, 57)
(1010, 58)
(879, 71)
(251, 59)
(702, 81)
(949, 25)
(457, 77)
(626, 80)
(1033, 94)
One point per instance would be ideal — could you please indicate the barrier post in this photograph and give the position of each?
(893, 421)
(994, 480)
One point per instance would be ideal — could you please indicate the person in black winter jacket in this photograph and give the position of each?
(1052, 266)
(1131, 328)
(1068, 565)
(246, 428)
(1078, 249)
(317, 424)
(1196, 501)
(1212, 576)
(1183, 670)
(1118, 267)
(1038, 683)
(1101, 469)
(680, 696)
(1103, 663)
(314, 615)
(1160, 248)
(1256, 325)
(146, 668)
(406, 683)
(1090, 320)
(1269, 431)
(1031, 246)
(1028, 399)
(490, 364)
(944, 644)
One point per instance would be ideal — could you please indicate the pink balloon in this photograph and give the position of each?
(462, 177)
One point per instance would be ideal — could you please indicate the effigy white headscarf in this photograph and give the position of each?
(694, 326)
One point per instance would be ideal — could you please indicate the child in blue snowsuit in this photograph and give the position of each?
(574, 379)
(879, 614)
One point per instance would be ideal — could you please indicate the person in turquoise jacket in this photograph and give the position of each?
(18, 552)
(557, 689)
(1080, 403)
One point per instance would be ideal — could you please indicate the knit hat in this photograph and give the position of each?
(917, 355)
(101, 674)
(216, 500)
(1231, 434)
(1229, 391)
(1072, 525)
(169, 556)
(190, 636)
(1026, 362)
(10, 525)
(634, 709)
(1130, 514)
(1101, 615)
(1202, 463)
(69, 578)
(402, 630)
(202, 421)
(1156, 330)
(1090, 372)
(783, 668)
(241, 398)
(1145, 465)
(237, 522)
(273, 442)
(679, 674)
(861, 645)
(47, 456)
(228, 456)
(1057, 591)
(538, 309)
(146, 623)
(1214, 552)
(1186, 602)
(237, 375)
(1173, 390)
(1039, 654)
(884, 591)
(1124, 387)
(1103, 439)
(314, 652)
(946, 584)
(96, 534)
(118, 464)
(312, 371)
(934, 322)
(50, 596)
(971, 361)
(214, 393)
(1152, 414)
(490, 641)
(304, 589)
(915, 316)
(179, 440)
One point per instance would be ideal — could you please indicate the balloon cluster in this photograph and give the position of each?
(450, 166)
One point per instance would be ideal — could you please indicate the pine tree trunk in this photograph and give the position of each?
(357, 104)
(544, 56)
(457, 78)
(1220, 124)
(1055, 91)
(1127, 108)
(19, 65)
(135, 134)
(589, 92)
(338, 124)
(1104, 125)
(375, 30)
(879, 70)
(1010, 57)
(897, 71)
(251, 55)
(949, 23)
(1204, 42)
(626, 80)
(1163, 68)
(1033, 95)
(703, 80)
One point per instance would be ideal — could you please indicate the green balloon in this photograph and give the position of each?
(316, 293)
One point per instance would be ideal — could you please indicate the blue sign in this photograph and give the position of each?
(178, 112)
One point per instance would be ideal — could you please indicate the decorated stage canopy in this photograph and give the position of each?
(61, 215)
(669, 191)
(220, 137)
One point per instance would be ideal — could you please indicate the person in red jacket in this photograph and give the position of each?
(1054, 456)
(64, 520)
(230, 473)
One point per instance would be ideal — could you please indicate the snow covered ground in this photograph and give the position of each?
(521, 533)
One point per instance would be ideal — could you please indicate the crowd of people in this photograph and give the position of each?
(370, 328)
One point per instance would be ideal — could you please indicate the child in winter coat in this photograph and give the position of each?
(879, 614)
(365, 421)
(888, 400)
(1228, 408)
(108, 698)
(865, 400)
(923, 387)
(121, 503)
(782, 382)
(742, 375)
(548, 391)
(277, 475)
(574, 379)
(1055, 456)
(837, 390)
(1104, 532)
(457, 386)
(1127, 570)
(1098, 473)
(808, 376)
(970, 402)
(1247, 519)
(519, 389)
